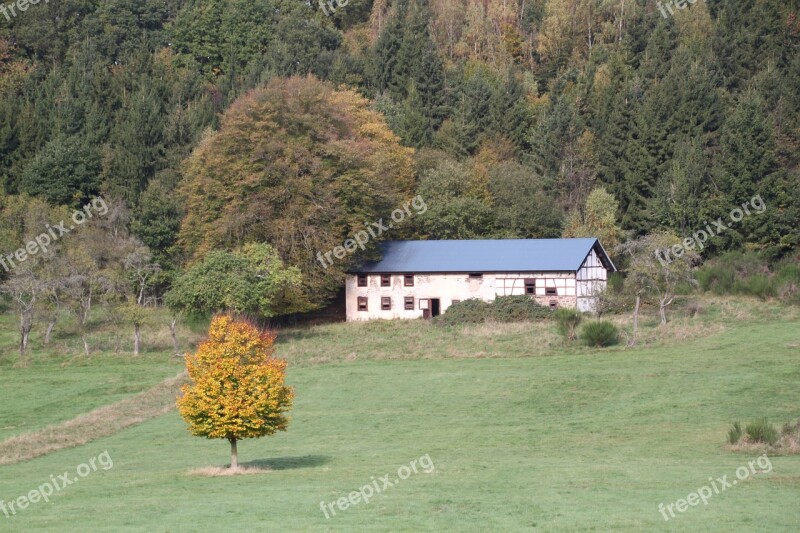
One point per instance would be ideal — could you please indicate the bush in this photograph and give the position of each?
(600, 334)
(747, 273)
(724, 274)
(472, 311)
(788, 281)
(762, 431)
(615, 299)
(568, 321)
(758, 285)
(518, 309)
(735, 433)
(502, 309)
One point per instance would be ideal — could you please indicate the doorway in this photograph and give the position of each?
(436, 307)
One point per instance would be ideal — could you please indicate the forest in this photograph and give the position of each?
(237, 139)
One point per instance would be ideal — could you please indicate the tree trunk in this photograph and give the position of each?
(85, 345)
(175, 345)
(662, 311)
(48, 335)
(636, 318)
(25, 326)
(137, 339)
(234, 454)
(23, 341)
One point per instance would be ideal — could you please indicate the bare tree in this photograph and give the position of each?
(139, 263)
(650, 273)
(172, 328)
(24, 288)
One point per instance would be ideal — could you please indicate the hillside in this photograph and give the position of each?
(504, 116)
(549, 440)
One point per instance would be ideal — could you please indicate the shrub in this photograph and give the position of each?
(748, 273)
(788, 281)
(758, 285)
(502, 309)
(600, 334)
(735, 433)
(568, 321)
(518, 309)
(762, 431)
(472, 311)
(724, 274)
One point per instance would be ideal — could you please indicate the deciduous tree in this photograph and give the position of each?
(237, 388)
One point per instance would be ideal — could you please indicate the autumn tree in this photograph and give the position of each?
(598, 219)
(301, 166)
(236, 388)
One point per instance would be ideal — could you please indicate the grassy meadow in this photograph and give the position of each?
(524, 433)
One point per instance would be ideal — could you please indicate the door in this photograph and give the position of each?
(435, 307)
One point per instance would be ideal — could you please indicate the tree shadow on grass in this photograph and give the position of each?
(288, 463)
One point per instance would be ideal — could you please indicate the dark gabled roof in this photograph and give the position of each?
(508, 255)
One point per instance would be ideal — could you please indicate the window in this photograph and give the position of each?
(553, 304)
(362, 303)
(362, 280)
(386, 304)
(551, 291)
(475, 275)
(530, 286)
(386, 280)
(456, 302)
(408, 280)
(409, 303)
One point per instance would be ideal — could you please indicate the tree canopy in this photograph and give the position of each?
(299, 165)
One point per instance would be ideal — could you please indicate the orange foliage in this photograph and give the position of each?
(237, 389)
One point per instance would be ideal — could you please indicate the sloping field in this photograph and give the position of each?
(593, 440)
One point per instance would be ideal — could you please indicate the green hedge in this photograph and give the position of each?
(503, 309)
(749, 274)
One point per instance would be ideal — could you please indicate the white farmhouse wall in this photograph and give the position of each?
(592, 279)
(449, 287)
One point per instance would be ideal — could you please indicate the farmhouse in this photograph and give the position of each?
(423, 278)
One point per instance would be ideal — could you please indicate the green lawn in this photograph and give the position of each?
(588, 440)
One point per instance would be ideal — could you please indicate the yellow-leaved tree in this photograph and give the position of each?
(236, 388)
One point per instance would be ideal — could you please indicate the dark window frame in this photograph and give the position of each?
(408, 280)
(409, 303)
(551, 291)
(386, 280)
(386, 303)
(530, 286)
(363, 303)
(363, 280)
(476, 275)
